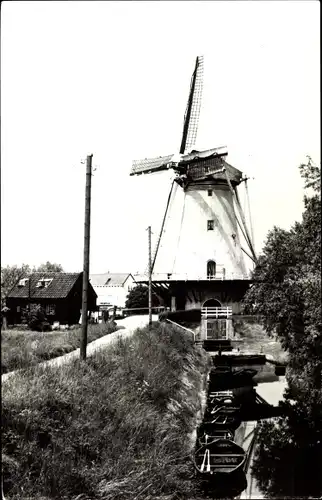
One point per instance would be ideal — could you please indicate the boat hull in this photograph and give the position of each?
(222, 456)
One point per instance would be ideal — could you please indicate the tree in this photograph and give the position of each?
(287, 294)
(138, 297)
(10, 276)
(49, 267)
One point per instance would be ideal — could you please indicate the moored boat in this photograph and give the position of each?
(219, 381)
(220, 409)
(238, 359)
(221, 422)
(221, 456)
(219, 434)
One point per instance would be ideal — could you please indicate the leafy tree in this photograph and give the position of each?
(49, 267)
(10, 276)
(138, 297)
(287, 294)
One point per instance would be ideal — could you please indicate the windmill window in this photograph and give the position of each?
(211, 269)
(210, 225)
(209, 192)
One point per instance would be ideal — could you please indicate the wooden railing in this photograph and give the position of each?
(216, 312)
(219, 276)
(183, 328)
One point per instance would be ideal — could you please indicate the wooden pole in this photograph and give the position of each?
(150, 278)
(86, 255)
(29, 299)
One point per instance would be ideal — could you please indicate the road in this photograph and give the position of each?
(129, 324)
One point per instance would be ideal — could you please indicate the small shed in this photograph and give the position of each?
(58, 294)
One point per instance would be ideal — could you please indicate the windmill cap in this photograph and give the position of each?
(176, 158)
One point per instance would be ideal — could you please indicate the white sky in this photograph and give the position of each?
(112, 79)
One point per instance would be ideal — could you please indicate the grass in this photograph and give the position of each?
(257, 340)
(115, 428)
(24, 348)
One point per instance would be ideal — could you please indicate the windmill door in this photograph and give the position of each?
(216, 329)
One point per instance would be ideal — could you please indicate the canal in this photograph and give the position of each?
(266, 382)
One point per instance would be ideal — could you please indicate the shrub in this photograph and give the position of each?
(38, 321)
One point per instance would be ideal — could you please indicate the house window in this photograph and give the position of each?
(210, 225)
(211, 269)
(50, 309)
(209, 192)
(44, 283)
(23, 282)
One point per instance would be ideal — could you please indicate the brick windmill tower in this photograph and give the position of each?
(199, 256)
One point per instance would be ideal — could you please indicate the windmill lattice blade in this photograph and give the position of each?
(149, 165)
(191, 118)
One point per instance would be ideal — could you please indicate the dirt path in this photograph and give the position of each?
(129, 325)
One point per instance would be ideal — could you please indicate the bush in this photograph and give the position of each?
(38, 321)
(112, 428)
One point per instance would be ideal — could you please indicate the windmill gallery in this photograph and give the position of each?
(199, 260)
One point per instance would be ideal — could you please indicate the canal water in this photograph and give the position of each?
(271, 388)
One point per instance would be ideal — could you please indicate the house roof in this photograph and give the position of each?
(109, 279)
(59, 288)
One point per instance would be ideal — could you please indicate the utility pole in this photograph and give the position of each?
(88, 186)
(150, 278)
(29, 298)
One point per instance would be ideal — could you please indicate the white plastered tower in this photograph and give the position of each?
(201, 226)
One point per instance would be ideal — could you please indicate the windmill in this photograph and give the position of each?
(199, 258)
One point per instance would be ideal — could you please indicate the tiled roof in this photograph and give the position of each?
(108, 279)
(59, 288)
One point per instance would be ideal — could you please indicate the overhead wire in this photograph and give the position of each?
(162, 225)
(181, 223)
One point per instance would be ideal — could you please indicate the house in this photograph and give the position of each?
(111, 288)
(59, 294)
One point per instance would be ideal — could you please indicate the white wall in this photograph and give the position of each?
(187, 245)
(114, 295)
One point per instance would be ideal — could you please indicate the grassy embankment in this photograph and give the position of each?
(24, 348)
(255, 339)
(117, 427)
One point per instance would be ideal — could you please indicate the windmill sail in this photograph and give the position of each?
(191, 118)
(190, 127)
(149, 165)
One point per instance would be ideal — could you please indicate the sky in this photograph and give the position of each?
(112, 79)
